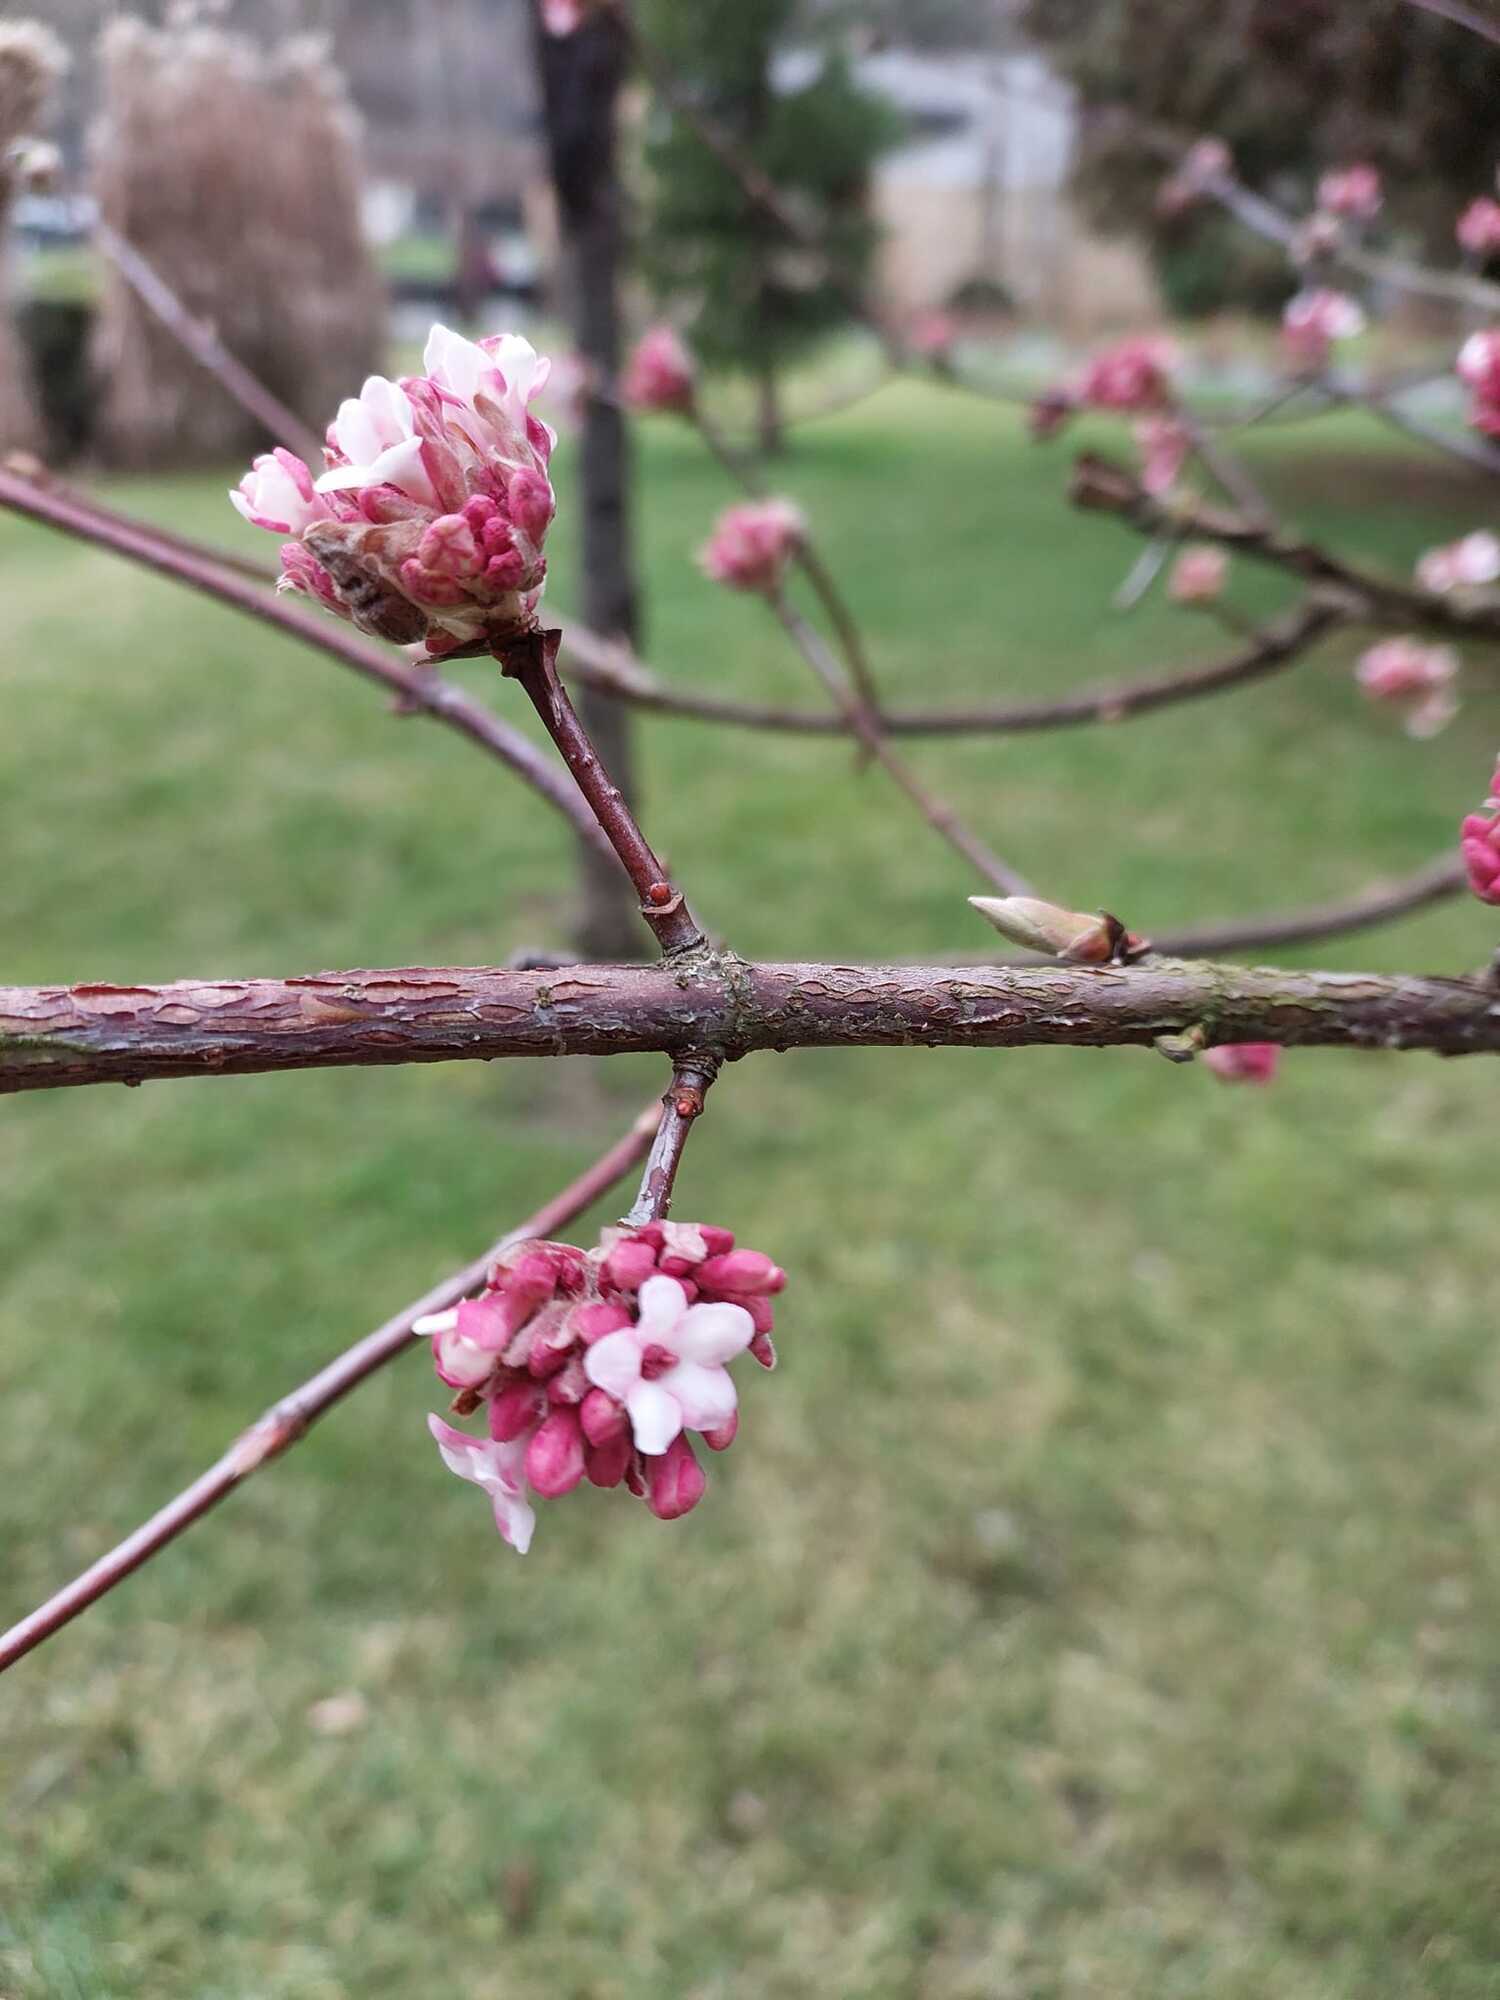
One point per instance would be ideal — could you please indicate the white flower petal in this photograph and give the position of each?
(431, 1323)
(662, 1303)
(704, 1397)
(655, 1418)
(457, 364)
(712, 1334)
(398, 465)
(356, 432)
(614, 1363)
(515, 1518)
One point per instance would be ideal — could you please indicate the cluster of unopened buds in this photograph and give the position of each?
(1354, 194)
(1479, 841)
(427, 523)
(752, 543)
(1133, 377)
(1416, 680)
(594, 1365)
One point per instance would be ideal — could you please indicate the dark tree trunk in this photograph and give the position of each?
(581, 75)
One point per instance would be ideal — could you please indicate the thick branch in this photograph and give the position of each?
(1100, 484)
(419, 689)
(588, 657)
(55, 1036)
(290, 1420)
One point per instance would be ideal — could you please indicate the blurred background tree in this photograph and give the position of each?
(777, 81)
(1292, 86)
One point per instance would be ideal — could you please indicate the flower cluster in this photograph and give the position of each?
(1479, 841)
(1478, 228)
(752, 543)
(660, 373)
(1244, 1062)
(1352, 192)
(1312, 321)
(1479, 371)
(1468, 564)
(1133, 374)
(428, 521)
(596, 1364)
(1416, 680)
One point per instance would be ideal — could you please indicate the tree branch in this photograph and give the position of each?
(418, 689)
(289, 1420)
(681, 1107)
(58, 1036)
(1101, 485)
(1462, 16)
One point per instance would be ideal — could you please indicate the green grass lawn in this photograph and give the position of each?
(1102, 1599)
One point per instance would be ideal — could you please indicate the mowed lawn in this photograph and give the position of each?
(1102, 1598)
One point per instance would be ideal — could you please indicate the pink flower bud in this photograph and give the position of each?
(1468, 564)
(569, 1385)
(1313, 321)
(603, 1419)
(517, 1407)
(1134, 374)
(715, 1240)
(675, 1482)
(933, 336)
(1479, 839)
(592, 1322)
(529, 497)
(763, 1349)
(725, 1435)
(1164, 444)
(762, 1312)
(459, 1362)
(628, 1266)
(1479, 370)
(554, 1457)
(1478, 229)
(1198, 575)
(659, 374)
(1414, 679)
(1244, 1062)
(752, 544)
(1354, 192)
(741, 1272)
(607, 1464)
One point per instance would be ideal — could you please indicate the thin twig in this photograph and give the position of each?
(419, 689)
(202, 341)
(936, 811)
(289, 1420)
(1462, 16)
(531, 661)
(682, 1106)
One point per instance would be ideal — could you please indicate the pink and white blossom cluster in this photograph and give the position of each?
(660, 374)
(1134, 374)
(1244, 1062)
(1352, 192)
(596, 1364)
(1414, 679)
(752, 543)
(1479, 371)
(429, 518)
(1311, 323)
(1479, 842)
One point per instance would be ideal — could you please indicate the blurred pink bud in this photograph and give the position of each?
(1463, 565)
(1134, 374)
(1415, 679)
(1478, 229)
(752, 543)
(1479, 841)
(1206, 159)
(517, 1407)
(659, 374)
(1354, 192)
(675, 1481)
(1164, 443)
(722, 1438)
(1479, 370)
(1198, 575)
(741, 1271)
(1312, 321)
(562, 17)
(1244, 1062)
(932, 335)
(554, 1457)
(1315, 238)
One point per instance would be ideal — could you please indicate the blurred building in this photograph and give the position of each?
(975, 203)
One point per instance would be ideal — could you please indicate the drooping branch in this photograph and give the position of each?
(202, 342)
(1099, 484)
(290, 1419)
(58, 1036)
(1379, 904)
(419, 690)
(1279, 644)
